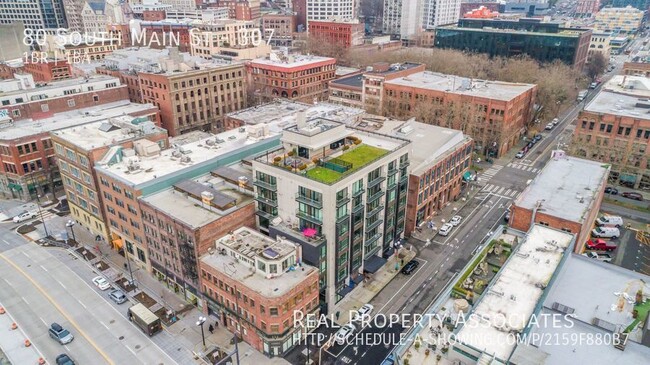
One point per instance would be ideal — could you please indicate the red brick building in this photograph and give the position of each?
(566, 195)
(153, 15)
(296, 77)
(344, 34)
(636, 69)
(161, 34)
(61, 96)
(52, 70)
(259, 298)
(495, 114)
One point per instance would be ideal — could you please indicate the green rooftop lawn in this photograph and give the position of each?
(323, 175)
(362, 155)
(358, 157)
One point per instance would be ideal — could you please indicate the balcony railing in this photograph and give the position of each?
(358, 192)
(265, 185)
(309, 217)
(264, 214)
(266, 201)
(357, 208)
(375, 211)
(342, 201)
(404, 163)
(375, 196)
(376, 181)
(403, 179)
(375, 224)
(343, 218)
(314, 203)
(296, 233)
(372, 239)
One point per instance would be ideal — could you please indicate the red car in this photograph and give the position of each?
(632, 195)
(600, 245)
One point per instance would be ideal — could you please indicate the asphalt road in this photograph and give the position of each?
(38, 289)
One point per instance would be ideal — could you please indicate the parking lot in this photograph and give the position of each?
(633, 246)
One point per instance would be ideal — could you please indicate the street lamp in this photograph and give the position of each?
(70, 224)
(38, 202)
(200, 324)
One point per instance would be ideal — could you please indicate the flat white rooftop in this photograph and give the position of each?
(625, 96)
(510, 300)
(567, 186)
(282, 113)
(57, 85)
(290, 61)
(461, 85)
(73, 118)
(106, 132)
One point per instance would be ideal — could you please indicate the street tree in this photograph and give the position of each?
(596, 65)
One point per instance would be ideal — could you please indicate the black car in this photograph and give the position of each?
(538, 137)
(530, 145)
(410, 267)
(610, 190)
(64, 359)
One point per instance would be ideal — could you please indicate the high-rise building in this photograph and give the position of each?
(339, 192)
(408, 18)
(330, 9)
(625, 20)
(35, 14)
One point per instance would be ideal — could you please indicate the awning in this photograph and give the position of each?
(373, 264)
(467, 176)
(344, 291)
(357, 279)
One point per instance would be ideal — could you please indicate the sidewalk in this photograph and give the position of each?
(12, 343)
(365, 292)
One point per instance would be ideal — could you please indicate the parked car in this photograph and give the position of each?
(610, 190)
(610, 221)
(593, 85)
(600, 245)
(363, 312)
(598, 256)
(64, 359)
(101, 283)
(549, 126)
(538, 137)
(410, 267)
(445, 229)
(117, 296)
(632, 195)
(455, 220)
(507, 216)
(62, 335)
(556, 121)
(605, 232)
(520, 154)
(344, 333)
(24, 216)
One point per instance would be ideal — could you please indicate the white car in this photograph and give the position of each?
(520, 154)
(24, 216)
(549, 126)
(455, 220)
(555, 121)
(363, 312)
(445, 229)
(344, 333)
(101, 283)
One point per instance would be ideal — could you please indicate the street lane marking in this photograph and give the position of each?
(43, 267)
(57, 306)
(104, 324)
(25, 300)
(60, 283)
(83, 305)
(42, 320)
(5, 241)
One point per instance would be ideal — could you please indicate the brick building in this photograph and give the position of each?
(297, 77)
(636, 69)
(22, 99)
(345, 34)
(255, 289)
(495, 114)
(41, 70)
(367, 90)
(300, 8)
(281, 26)
(183, 222)
(587, 8)
(163, 34)
(80, 50)
(614, 128)
(78, 148)
(566, 195)
(133, 175)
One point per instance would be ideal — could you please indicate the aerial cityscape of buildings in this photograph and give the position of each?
(381, 182)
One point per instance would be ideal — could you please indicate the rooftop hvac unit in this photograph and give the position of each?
(186, 159)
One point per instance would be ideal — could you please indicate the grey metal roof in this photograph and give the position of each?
(195, 189)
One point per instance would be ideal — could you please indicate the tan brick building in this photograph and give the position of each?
(566, 195)
(636, 69)
(255, 284)
(495, 114)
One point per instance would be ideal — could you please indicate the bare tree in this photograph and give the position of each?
(596, 65)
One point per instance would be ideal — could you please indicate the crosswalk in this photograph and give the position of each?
(45, 215)
(523, 167)
(498, 191)
(486, 175)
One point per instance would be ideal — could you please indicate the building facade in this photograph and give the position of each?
(338, 9)
(636, 69)
(544, 42)
(229, 38)
(35, 14)
(408, 18)
(278, 29)
(495, 114)
(587, 8)
(296, 77)
(334, 191)
(613, 128)
(79, 148)
(625, 20)
(344, 34)
(600, 43)
(255, 290)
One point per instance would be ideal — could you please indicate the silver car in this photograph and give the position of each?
(117, 296)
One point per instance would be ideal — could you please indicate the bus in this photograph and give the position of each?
(145, 319)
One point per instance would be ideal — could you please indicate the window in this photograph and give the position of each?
(273, 311)
(71, 103)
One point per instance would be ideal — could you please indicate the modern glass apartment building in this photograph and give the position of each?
(544, 42)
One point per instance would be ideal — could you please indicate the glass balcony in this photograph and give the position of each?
(311, 202)
(264, 214)
(375, 211)
(376, 181)
(342, 201)
(376, 223)
(359, 192)
(375, 196)
(309, 217)
(265, 185)
(266, 201)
